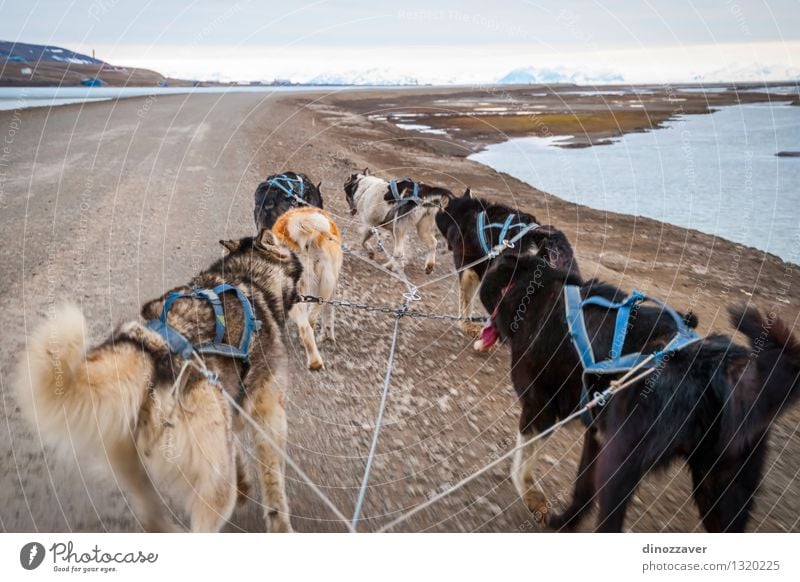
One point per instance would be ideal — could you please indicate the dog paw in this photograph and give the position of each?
(429, 269)
(278, 523)
(538, 506)
(316, 365)
(560, 522)
(471, 328)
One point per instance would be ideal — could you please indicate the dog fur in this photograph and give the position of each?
(114, 404)
(371, 199)
(457, 222)
(711, 403)
(315, 238)
(271, 202)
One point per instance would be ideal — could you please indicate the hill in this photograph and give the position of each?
(33, 65)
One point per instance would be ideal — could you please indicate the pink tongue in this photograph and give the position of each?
(487, 338)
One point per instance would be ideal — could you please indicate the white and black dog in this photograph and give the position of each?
(398, 206)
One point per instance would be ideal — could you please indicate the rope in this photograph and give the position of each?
(379, 419)
(200, 367)
(494, 253)
(599, 399)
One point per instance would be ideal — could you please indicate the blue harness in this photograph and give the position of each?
(177, 342)
(398, 198)
(287, 185)
(505, 228)
(617, 363)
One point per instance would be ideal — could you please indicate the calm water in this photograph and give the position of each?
(715, 173)
(22, 97)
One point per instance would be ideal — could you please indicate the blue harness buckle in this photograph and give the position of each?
(505, 227)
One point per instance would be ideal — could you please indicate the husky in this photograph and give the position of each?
(396, 206)
(124, 402)
(282, 192)
(458, 221)
(711, 403)
(314, 237)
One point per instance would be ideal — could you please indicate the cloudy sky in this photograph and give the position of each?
(448, 41)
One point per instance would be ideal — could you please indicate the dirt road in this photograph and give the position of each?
(110, 204)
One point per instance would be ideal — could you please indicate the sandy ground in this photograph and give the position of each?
(110, 204)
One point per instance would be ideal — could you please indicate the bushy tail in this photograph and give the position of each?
(765, 390)
(308, 229)
(72, 402)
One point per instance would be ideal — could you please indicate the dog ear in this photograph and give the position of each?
(467, 193)
(231, 245)
(444, 202)
(267, 243)
(366, 172)
(266, 238)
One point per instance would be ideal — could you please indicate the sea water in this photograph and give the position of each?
(717, 173)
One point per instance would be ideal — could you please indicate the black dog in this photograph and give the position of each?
(281, 192)
(458, 223)
(710, 403)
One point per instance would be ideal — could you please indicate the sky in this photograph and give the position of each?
(431, 42)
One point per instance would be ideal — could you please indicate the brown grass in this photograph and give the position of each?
(546, 124)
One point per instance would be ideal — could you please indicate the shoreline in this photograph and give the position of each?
(457, 146)
(554, 144)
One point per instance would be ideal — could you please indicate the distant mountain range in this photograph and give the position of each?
(24, 64)
(554, 75)
(373, 76)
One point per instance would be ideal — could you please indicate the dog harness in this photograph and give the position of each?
(396, 194)
(287, 184)
(505, 228)
(180, 345)
(617, 363)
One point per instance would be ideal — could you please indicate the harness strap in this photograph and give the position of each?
(580, 339)
(398, 197)
(286, 184)
(624, 309)
(617, 363)
(505, 227)
(180, 345)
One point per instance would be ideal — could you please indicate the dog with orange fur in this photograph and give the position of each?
(314, 237)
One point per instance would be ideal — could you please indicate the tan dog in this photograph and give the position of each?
(115, 404)
(314, 237)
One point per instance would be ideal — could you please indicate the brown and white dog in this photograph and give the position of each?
(371, 198)
(116, 404)
(314, 237)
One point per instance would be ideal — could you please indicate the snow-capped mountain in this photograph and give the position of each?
(752, 73)
(372, 76)
(552, 75)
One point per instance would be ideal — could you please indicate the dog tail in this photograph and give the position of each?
(311, 229)
(75, 402)
(767, 388)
